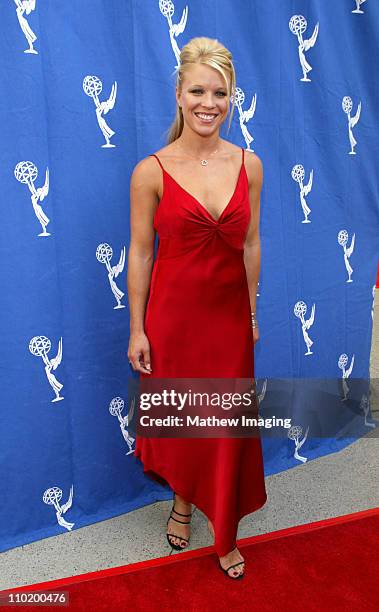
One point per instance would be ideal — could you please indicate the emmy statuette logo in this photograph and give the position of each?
(295, 433)
(115, 408)
(262, 394)
(52, 497)
(22, 7)
(298, 25)
(298, 174)
(299, 311)
(357, 9)
(26, 172)
(104, 254)
(342, 363)
(342, 238)
(244, 116)
(40, 346)
(167, 9)
(347, 105)
(92, 87)
(259, 396)
(366, 409)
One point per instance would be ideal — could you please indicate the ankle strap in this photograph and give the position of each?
(183, 522)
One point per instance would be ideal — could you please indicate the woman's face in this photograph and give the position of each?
(203, 91)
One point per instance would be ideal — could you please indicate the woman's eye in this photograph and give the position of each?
(201, 91)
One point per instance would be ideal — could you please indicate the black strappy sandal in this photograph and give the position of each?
(173, 535)
(226, 571)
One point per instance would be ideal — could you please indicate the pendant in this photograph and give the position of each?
(204, 162)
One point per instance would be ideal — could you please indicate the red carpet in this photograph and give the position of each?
(327, 565)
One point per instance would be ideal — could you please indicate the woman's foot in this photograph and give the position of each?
(230, 559)
(178, 524)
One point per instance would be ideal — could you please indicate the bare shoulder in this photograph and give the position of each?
(254, 168)
(144, 168)
(146, 176)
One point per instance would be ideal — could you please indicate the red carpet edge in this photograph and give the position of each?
(201, 552)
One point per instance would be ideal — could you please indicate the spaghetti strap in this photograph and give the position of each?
(243, 155)
(159, 161)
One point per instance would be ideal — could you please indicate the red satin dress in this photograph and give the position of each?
(198, 322)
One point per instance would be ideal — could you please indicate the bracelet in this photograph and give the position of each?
(254, 322)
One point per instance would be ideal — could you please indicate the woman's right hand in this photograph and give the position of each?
(139, 352)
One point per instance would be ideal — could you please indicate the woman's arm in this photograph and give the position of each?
(143, 203)
(252, 245)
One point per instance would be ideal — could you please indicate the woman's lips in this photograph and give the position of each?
(204, 120)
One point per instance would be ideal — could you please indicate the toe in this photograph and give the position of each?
(241, 569)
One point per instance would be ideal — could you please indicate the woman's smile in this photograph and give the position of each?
(206, 117)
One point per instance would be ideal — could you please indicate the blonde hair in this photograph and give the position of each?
(211, 52)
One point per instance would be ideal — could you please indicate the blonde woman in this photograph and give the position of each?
(193, 308)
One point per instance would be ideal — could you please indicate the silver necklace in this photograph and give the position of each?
(204, 162)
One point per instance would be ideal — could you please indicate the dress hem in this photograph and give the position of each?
(153, 474)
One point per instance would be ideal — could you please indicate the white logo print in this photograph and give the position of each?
(39, 346)
(299, 311)
(259, 396)
(294, 434)
(342, 362)
(167, 9)
(298, 174)
(92, 86)
(347, 105)
(244, 116)
(262, 394)
(26, 6)
(365, 405)
(52, 497)
(115, 408)
(358, 4)
(26, 172)
(298, 25)
(104, 254)
(342, 238)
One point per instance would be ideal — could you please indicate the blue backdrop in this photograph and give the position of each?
(88, 91)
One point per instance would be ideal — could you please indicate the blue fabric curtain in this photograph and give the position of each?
(88, 91)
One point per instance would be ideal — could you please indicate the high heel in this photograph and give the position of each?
(226, 570)
(173, 535)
